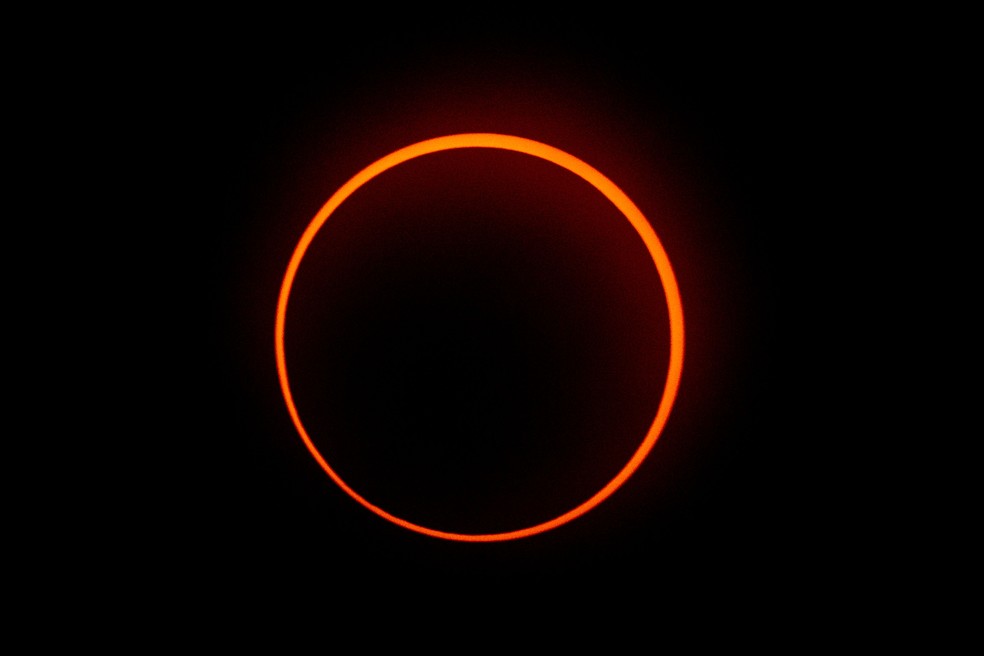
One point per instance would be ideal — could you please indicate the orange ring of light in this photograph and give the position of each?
(590, 175)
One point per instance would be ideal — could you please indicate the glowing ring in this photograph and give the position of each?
(590, 175)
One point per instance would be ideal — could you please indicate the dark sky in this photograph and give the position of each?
(229, 146)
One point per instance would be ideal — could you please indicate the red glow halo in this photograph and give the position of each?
(613, 194)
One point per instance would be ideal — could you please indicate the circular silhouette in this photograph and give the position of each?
(610, 191)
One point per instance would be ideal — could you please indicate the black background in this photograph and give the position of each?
(218, 147)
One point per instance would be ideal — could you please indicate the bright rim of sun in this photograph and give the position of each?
(613, 194)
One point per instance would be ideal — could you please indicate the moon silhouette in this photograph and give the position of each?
(590, 175)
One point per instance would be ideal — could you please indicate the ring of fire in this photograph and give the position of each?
(603, 185)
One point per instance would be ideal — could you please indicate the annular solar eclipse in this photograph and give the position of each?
(590, 176)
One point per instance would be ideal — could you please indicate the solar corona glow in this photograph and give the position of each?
(590, 175)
